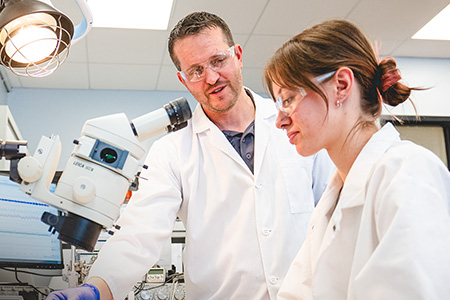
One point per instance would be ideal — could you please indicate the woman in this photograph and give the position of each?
(382, 228)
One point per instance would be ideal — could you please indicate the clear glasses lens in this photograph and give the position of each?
(215, 63)
(287, 105)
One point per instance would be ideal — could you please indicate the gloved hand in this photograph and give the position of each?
(85, 292)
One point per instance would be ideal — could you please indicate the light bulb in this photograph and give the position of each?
(31, 44)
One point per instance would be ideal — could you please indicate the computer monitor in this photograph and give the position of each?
(428, 131)
(25, 241)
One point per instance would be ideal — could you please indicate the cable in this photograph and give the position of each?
(26, 272)
(26, 284)
(175, 278)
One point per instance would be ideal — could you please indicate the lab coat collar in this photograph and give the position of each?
(352, 194)
(264, 109)
(201, 122)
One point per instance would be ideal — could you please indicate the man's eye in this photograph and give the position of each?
(218, 61)
(196, 71)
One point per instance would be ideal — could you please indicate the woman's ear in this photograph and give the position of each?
(344, 80)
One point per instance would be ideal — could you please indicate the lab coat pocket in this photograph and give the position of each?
(298, 180)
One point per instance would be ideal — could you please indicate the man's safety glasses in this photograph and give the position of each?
(215, 63)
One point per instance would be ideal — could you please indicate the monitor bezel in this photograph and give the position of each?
(32, 264)
(402, 120)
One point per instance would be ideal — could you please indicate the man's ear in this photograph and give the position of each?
(180, 78)
(344, 80)
(238, 53)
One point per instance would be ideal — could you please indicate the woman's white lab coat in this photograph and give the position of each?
(389, 236)
(242, 230)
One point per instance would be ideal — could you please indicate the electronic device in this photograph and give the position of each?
(106, 162)
(25, 240)
(156, 275)
(22, 292)
(430, 132)
(158, 291)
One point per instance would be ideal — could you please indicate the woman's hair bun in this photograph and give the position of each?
(388, 83)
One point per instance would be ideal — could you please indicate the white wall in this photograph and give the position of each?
(429, 73)
(3, 94)
(63, 112)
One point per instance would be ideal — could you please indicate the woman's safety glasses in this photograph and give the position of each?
(289, 104)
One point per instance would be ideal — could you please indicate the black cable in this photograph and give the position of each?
(26, 284)
(26, 272)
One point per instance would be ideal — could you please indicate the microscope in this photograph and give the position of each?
(105, 163)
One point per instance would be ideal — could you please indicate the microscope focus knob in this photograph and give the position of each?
(83, 189)
(30, 170)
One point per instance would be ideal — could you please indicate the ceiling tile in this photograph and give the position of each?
(133, 59)
(290, 17)
(241, 16)
(252, 78)
(168, 80)
(394, 19)
(423, 48)
(260, 48)
(122, 46)
(67, 76)
(78, 52)
(123, 77)
(70, 9)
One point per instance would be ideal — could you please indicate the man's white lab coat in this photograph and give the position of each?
(242, 230)
(389, 236)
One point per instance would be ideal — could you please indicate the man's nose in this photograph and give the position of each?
(211, 76)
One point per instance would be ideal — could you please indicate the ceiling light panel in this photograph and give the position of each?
(437, 29)
(131, 14)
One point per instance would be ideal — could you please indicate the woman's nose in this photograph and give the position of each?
(282, 120)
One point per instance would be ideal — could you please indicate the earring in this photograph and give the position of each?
(338, 103)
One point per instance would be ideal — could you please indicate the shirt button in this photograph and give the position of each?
(273, 280)
(258, 185)
(248, 155)
(266, 231)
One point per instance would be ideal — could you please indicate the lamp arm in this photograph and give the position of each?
(85, 26)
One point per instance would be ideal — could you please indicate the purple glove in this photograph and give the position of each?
(85, 292)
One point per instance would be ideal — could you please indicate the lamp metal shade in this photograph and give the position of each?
(14, 17)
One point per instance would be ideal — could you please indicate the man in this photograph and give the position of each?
(243, 193)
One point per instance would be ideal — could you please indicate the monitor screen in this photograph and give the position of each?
(25, 241)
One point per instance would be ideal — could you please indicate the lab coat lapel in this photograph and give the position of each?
(353, 193)
(381, 141)
(262, 135)
(201, 124)
(320, 219)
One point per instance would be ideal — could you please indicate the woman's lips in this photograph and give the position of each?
(291, 136)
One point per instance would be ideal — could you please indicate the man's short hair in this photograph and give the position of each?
(193, 24)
